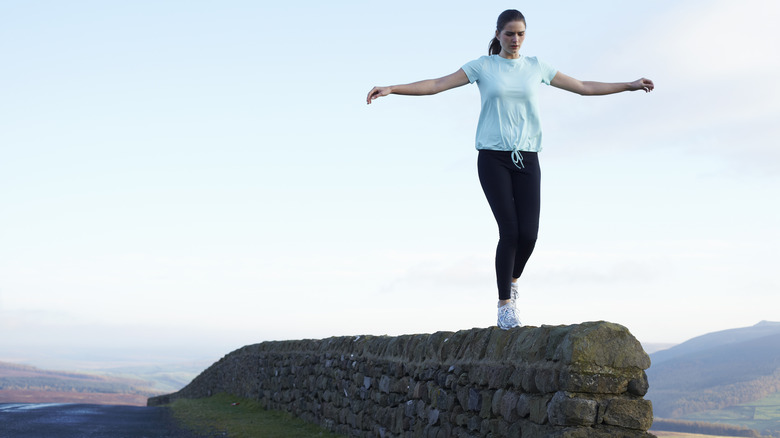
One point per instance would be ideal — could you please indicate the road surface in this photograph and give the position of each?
(57, 420)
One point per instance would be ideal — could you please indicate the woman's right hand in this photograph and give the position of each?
(377, 92)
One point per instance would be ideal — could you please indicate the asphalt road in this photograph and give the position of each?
(54, 420)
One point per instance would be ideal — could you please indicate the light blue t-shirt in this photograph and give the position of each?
(509, 118)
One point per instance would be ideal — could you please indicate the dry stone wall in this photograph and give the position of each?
(584, 380)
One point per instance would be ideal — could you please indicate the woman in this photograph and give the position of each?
(508, 139)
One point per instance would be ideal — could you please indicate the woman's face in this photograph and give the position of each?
(511, 38)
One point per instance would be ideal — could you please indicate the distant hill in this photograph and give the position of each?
(652, 347)
(716, 370)
(27, 384)
(716, 340)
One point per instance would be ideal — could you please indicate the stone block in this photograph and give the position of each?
(499, 377)
(433, 417)
(462, 393)
(449, 402)
(384, 384)
(425, 392)
(516, 379)
(434, 395)
(508, 408)
(419, 387)
(373, 396)
(449, 417)
(529, 380)
(546, 380)
(498, 344)
(479, 375)
(639, 385)
(475, 400)
(420, 409)
(602, 344)
(450, 382)
(402, 385)
(515, 430)
(524, 405)
(440, 377)
(487, 403)
(358, 406)
(409, 409)
(567, 410)
(538, 409)
(629, 413)
(595, 382)
(503, 428)
(474, 423)
(399, 420)
(495, 406)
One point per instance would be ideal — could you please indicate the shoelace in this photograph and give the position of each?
(517, 157)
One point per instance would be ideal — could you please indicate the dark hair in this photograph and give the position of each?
(506, 17)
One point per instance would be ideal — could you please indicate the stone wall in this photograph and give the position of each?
(584, 380)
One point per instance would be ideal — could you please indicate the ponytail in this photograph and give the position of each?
(507, 16)
(494, 48)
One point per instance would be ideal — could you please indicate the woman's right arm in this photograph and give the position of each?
(422, 88)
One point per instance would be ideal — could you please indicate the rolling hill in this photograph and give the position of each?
(717, 340)
(716, 370)
(27, 384)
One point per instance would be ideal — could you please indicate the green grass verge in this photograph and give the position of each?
(219, 416)
(762, 415)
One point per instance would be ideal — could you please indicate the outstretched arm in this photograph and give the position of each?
(590, 88)
(421, 88)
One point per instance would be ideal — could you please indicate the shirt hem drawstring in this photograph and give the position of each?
(517, 157)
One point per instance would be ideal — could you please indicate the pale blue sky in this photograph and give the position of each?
(179, 175)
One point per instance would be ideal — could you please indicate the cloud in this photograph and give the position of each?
(454, 272)
(717, 73)
(715, 70)
(725, 40)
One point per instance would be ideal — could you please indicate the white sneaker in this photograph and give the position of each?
(515, 292)
(507, 316)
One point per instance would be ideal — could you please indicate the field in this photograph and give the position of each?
(27, 384)
(762, 415)
(683, 435)
(93, 398)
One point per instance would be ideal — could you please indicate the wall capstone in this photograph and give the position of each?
(577, 381)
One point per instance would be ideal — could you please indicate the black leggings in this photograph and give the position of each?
(513, 195)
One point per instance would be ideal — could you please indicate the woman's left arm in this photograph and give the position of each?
(590, 88)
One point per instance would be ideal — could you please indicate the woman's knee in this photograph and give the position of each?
(518, 235)
(526, 243)
(526, 239)
(509, 233)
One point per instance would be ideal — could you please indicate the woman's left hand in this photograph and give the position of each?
(642, 84)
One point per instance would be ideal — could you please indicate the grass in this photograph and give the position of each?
(225, 415)
(762, 415)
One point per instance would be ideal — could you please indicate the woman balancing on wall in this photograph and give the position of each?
(508, 139)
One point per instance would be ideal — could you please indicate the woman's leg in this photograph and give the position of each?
(526, 188)
(514, 198)
(495, 176)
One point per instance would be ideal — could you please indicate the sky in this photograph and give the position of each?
(182, 178)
